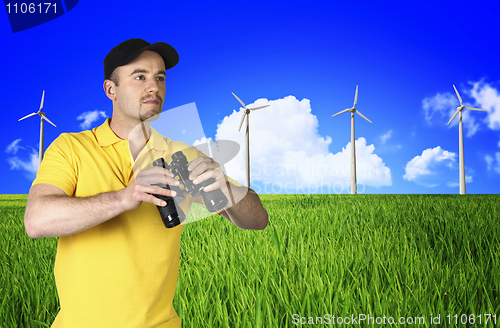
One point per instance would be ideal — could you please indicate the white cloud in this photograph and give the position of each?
(489, 161)
(26, 160)
(30, 166)
(493, 163)
(90, 117)
(288, 153)
(434, 167)
(386, 136)
(13, 147)
(437, 108)
(469, 123)
(487, 98)
(440, 108)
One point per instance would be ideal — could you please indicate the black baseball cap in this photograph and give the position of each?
(129, 50)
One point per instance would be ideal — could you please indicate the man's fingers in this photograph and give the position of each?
(155, 170)
(220, 181)
(200, 165)
(161, 191)
(213, 186)
(156, 179)
(154, 175)
(142, 193)
(206, 165)
(196, 162)
(154, 200)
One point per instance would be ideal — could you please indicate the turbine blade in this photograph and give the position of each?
(342, 111)
(27, 116)
(453, 117)
(45, 118)
(458, 95)
(363, 116)
(241, 102)
(472, 108)
(255, 108)
(242, 119)
(356, 97)
(41, 104)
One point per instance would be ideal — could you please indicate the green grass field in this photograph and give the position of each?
(377, 255)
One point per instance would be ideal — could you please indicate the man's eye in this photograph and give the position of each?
(161, 78)
(139, 77)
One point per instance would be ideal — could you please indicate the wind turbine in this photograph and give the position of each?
(246, 114)
(461, 174)
(42, 118)
(353, 110)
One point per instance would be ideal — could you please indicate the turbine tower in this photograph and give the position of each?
(246, 113)
(354, 189)
(461, 173)
(42, 118)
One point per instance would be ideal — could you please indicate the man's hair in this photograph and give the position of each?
(114, 76)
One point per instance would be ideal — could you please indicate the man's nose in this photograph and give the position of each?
(152, 86)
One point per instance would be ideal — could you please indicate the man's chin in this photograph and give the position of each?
(150, 115)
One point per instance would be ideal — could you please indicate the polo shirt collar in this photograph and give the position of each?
(156, 140)
(105, 136)
(155, 144)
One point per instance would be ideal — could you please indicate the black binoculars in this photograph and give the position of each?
(173, 215)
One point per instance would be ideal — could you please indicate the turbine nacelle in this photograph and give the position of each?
(462, 106)
(247, 110)
(43, 116)
(353, 108)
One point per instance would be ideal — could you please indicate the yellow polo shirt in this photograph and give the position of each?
(121, 273)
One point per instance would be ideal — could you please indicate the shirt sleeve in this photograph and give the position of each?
(57, 167)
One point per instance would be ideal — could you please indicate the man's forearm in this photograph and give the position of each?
(248, 213)
(60, 215)
(51, 213)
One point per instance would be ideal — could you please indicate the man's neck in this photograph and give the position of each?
(120, 127)
(137, 134)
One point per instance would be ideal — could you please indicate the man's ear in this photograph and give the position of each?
(109, 89)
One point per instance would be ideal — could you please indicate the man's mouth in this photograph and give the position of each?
(152, 102)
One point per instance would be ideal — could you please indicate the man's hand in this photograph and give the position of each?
(203, 168)
(141, 189)
(244, 209)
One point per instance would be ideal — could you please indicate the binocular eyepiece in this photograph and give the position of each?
(171, 214)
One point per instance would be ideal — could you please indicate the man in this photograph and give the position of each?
(116, 264)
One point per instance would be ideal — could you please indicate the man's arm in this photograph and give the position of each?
(248, 213)
(51, 213)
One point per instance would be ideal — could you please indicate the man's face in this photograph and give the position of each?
(141, 87)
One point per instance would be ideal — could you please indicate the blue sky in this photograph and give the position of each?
(304, 59)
